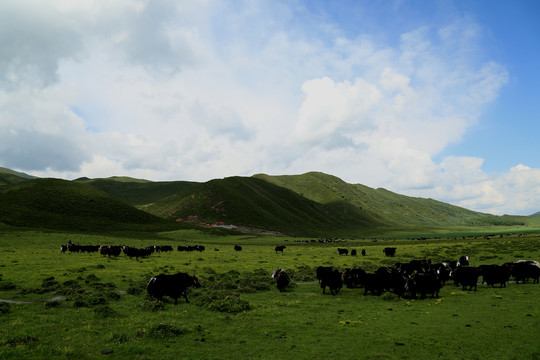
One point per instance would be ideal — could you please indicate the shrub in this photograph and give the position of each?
(303, 273)
(118, 339)
(222, 301)
(102, 312)
(91, 278)
(24, 340)
(7, 285)
(230, 304)
(5, 308)
(163, 331)
(132, 290)
(52, 304)
(49, 284)
(137, 287)
(88, 300)
(152, 305)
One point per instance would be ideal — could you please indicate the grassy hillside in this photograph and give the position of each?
(258, 203)
(8, 176)
(137, 192)
(60, 204)
(312, 204)
(391, 208)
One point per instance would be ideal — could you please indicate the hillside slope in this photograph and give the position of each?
(136, 192)
(259, 203)
(8, 176)
(389, 207)
(61, 204)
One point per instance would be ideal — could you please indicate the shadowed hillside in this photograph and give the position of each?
(60, 204)
(8, 176)
(393, 209)
(136, 192)
(258, 203)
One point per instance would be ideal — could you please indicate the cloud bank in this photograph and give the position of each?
(201, 90)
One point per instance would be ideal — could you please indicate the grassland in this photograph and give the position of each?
(238, 313)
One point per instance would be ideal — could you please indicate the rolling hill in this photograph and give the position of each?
(8, 176)
(137, 192)
(67, 205)
(391, 208)
(311, 204)
(254, 202)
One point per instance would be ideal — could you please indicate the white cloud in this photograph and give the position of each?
(330, 107)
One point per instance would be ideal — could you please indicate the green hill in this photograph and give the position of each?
(391, 208)
(259, 203)
(311, 204)
(8, 176)
(61, 204)
(141, 192)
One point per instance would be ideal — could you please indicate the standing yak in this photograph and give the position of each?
(173, 286)
(282, 279)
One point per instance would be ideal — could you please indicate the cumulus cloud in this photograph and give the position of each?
(330, 107)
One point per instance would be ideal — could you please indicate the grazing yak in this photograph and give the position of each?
(353, 277)
(173, 286)
(373, 284)
(426, 283)
(343, 251)
(282, 279)
(332, 279)
(110, 250)
(280, 248)
(466, 276)
(494, 274)
(389, 251)
(524, 270)
(463, 261)
(237, 248)
(322, 271)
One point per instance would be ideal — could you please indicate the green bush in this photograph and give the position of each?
(91, 278)
(103, 312)
(163, 331)
(49, 284)
(52, 304)
(152, 305)
(5, 308)
(23, 340)
(7, 285)
(222, 301)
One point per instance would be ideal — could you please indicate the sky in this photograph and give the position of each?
(433, 99)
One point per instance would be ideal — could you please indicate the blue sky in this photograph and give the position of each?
(425, 98)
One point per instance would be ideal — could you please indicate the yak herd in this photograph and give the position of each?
(417, 277)
(421, 277)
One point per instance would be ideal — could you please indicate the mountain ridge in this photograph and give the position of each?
(311, 204)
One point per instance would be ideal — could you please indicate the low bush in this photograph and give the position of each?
(23, 340)
(5, 308)
(222, 301)
(52, 304)
(163, 331)
(7, 285)
(152, 305)
(103, 312)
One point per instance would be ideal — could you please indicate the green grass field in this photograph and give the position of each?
(238, 312)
